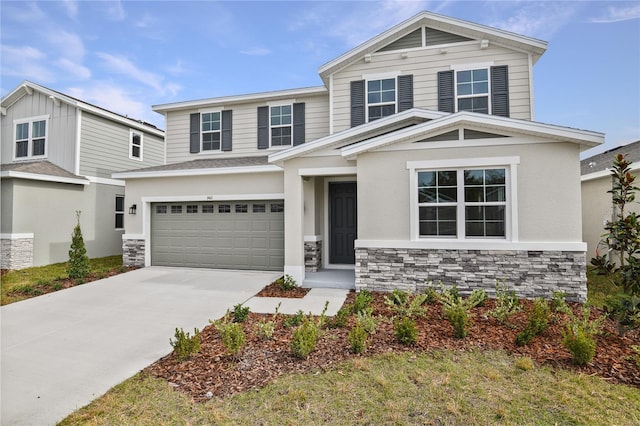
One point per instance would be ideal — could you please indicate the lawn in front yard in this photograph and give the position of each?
(30, 282)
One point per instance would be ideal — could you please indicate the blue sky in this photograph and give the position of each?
(126, 56)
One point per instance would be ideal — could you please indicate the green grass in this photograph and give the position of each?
(26, 282)
(599, 287)
(442, 387)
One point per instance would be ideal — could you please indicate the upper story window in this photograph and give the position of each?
(31, 137)
(472, 90)
(381, 98)
(211, 125)
(280, 124)
(135, 145)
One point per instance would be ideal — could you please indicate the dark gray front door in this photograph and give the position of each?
(342, 222)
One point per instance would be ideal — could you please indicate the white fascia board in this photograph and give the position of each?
(105, 181)
(44, 178)
(583, 137)
(435, 244)
(252, 97)
(354, 132)
(213, 197)
(328, 171)
(197, 172)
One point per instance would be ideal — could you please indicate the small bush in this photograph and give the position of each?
(287, 283)
(240, 313)
(431, 296)
(406, 331)
(406, 305)
(362, 301)
(340, 319)
(232, 335)
(458, 310)
(507, 304)
(367, 321)
(293, 320)
(625, 309)
(78, 266)
(558, 303)
(478, 297)
(305, 338)
(264, 328)
(358, 339)
(185, 345)
(397, 298)
(537, 323)
(578, 336)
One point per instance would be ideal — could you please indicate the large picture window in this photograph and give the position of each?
(31, 138)
(462, 203)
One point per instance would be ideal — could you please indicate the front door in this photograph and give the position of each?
(342, 222)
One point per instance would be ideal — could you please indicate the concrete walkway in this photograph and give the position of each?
(313, 302)
(62, 350)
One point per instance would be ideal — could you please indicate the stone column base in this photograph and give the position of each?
(133, 251)
(312, 256)
(17, 251)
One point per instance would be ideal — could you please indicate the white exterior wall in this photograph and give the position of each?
(244, 129)
(104, 148)
(61, 129)
(424, 64)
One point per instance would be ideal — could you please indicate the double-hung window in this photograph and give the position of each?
(135, 145)
(381, 98)
(280, 124)
(468, 202)
(210, 130)
(31, 137)
(472, 90)
(119, 211)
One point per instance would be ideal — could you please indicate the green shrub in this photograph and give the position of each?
(232, 335)
(507, 304)
(358, 339)
(478, 297)
(305, 338)
(264, 328)
(78, 266)
(287, 283)
(625, 309)
(558, 303)
(363, 301)
(537, 323)
(431, 296)
(579, 334)
(406, 305)
(458, 310)
(340, 319)
(240, 313)
(293, 320)
(367, 321)
(406, 331)
(185, 345)
(57, 286)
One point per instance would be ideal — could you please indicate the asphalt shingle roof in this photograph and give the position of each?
(40, 168)
(208, 164)
(604, 160)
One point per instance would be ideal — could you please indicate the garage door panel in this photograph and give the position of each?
(224, 234)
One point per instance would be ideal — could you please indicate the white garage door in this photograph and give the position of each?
(225, 234)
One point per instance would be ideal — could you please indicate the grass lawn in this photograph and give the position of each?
(599, 287)
(30, 282)
(442, 387)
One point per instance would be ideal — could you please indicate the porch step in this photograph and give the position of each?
(331, 278)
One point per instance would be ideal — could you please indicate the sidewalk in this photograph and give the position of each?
(313, 302)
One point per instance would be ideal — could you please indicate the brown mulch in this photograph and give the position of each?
(261, 361)
(274, 290)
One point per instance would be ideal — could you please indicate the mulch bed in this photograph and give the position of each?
(274, 290)
(261, 361)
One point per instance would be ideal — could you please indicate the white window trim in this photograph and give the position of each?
(511, 181)
(30, 120)
(202, 132)
(116, 211)
(279, 147)
(131, 133)
(471, 67)
(374, 77)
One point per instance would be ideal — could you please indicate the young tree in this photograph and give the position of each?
(623, 233)
(78, 267)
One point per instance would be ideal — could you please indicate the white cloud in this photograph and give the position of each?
(122, 65)
(256, 51)
(115, 10)
(539, 19)
(68, 44)
(617, 14)
(22, 12)
(26, 62)
(74, 69)
(71, 7)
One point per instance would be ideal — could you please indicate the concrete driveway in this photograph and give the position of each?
(62, 350)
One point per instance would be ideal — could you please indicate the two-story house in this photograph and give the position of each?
(57, 155)
(417, 160)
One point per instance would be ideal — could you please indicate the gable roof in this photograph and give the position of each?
(604, 160)
(27, 87)
(439, 22)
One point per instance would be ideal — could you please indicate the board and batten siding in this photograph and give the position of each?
(244, 130)
(424, 65)
(61, 131)
(105, 148)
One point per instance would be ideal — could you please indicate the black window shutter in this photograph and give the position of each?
(298, 124)
(194, 133)
(357, 103)
(445, 92)
(405, 92)
(263, 127)
(500, 91)
(227, 124)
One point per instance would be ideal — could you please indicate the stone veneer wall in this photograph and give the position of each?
(312, 256)
(133, 253)
(529, 273)
(16, 253)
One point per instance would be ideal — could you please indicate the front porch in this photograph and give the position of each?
(331, 278)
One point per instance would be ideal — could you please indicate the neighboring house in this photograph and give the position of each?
(58, 154)
(416, 161)
(597, 205)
